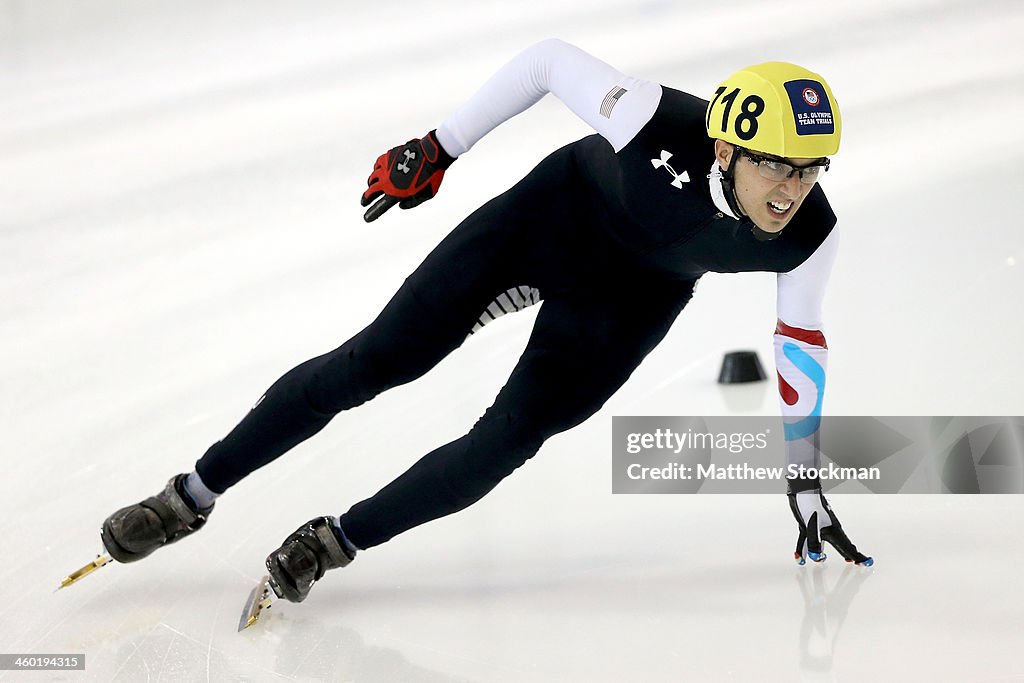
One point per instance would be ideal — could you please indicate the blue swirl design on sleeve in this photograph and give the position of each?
(810, 367)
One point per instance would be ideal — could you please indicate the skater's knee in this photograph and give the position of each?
(347, 377)
(370, 363)
(300, 387)
(497, 445)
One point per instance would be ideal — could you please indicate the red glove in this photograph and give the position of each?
(407, 175)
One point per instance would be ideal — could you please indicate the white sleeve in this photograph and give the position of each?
(801, 357)
(802, 290)
(613, 104)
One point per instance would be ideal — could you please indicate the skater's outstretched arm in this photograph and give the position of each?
(801, 355)
(801, 358)
(615, 105)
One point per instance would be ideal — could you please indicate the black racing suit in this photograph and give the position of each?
(614, 249)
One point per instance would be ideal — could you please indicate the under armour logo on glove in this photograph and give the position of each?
(677, 178)
(407, 175)
(409, 156)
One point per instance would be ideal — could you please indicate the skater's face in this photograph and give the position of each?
(761, 197)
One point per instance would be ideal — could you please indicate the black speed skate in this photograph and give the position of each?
(305, 556)
(134, 532)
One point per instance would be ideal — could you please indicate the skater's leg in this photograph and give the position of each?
(430, 316)
(503, 244)
(407, 339)
(581, 351)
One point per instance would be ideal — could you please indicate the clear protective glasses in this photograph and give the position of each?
(779, 171)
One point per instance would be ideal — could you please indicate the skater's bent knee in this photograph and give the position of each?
(496, 446)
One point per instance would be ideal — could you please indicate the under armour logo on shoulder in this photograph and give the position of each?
(404, 166)
(677, 178)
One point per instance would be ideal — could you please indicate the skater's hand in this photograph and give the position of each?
(407, 175)
(818, 523)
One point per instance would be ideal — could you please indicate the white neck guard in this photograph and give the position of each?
(717, 193)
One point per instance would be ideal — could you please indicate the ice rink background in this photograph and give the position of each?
(179, 225)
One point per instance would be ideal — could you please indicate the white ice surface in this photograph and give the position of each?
(179, 226)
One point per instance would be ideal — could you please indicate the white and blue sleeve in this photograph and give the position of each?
(801, 357)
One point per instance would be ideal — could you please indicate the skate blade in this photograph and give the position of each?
(79, 574)
(260, 599)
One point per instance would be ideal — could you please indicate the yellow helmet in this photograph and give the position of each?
(776, 108)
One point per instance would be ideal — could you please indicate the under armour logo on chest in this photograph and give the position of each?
(677, 178)
(404, 165)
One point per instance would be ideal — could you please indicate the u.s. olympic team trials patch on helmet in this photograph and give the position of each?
(811, 107)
